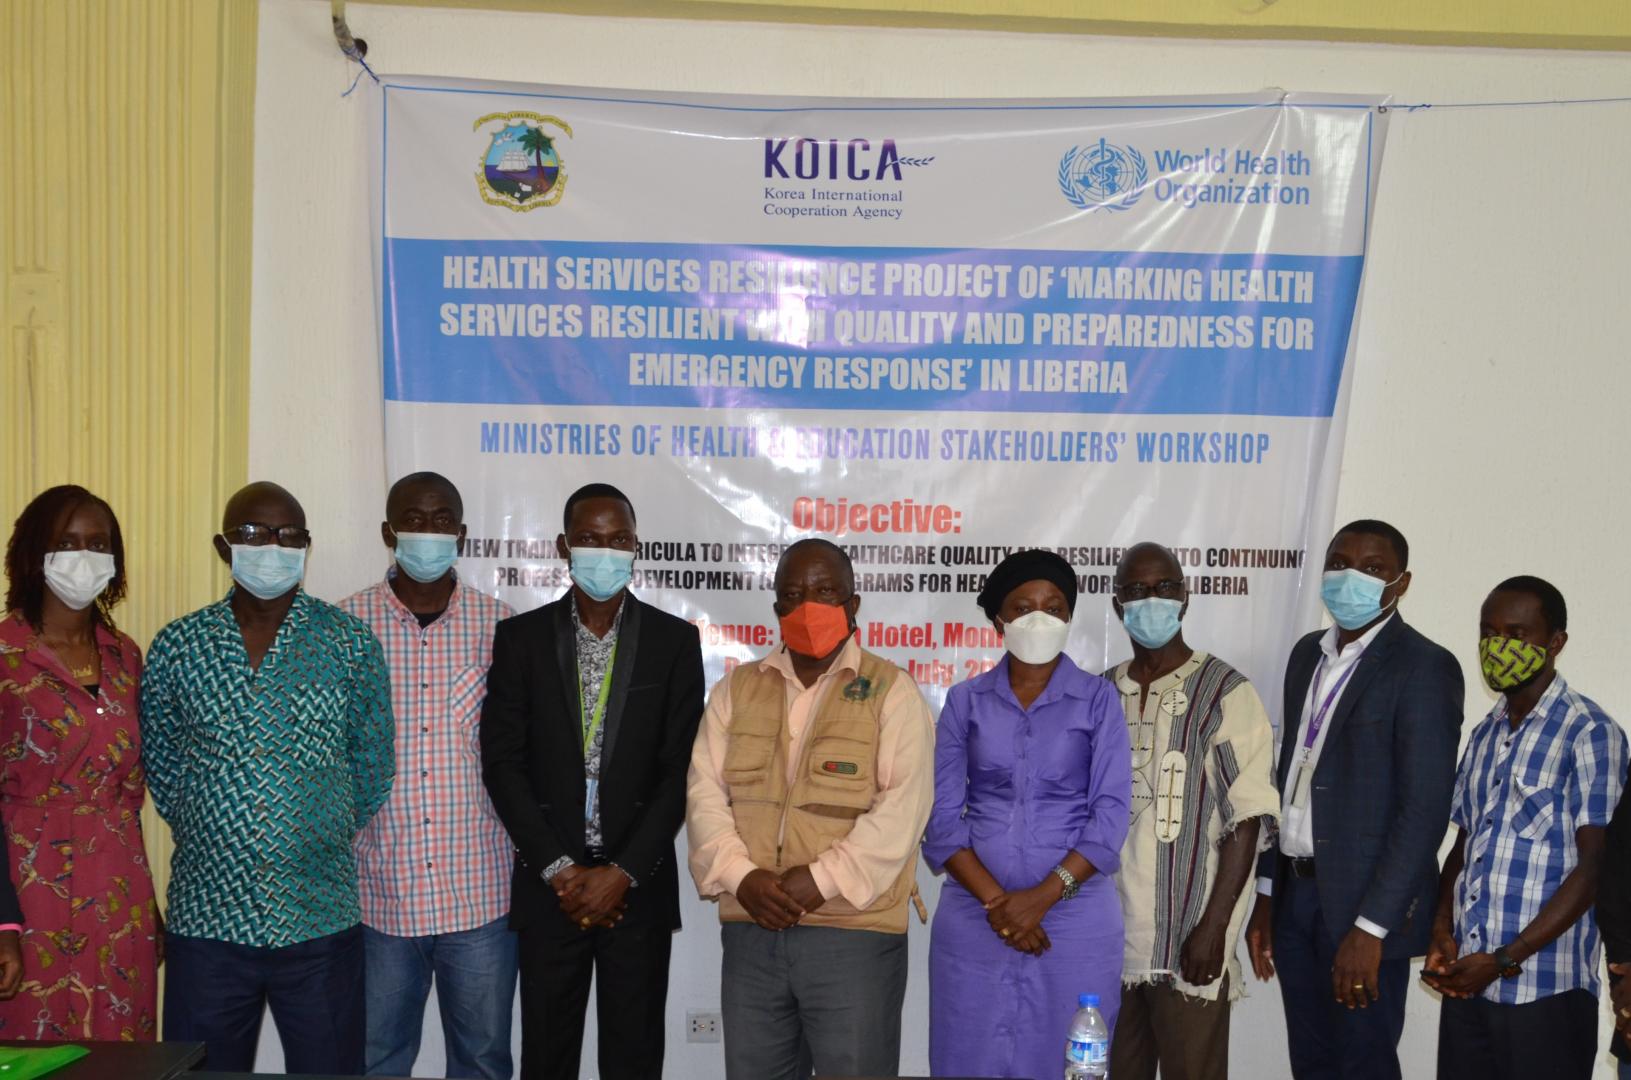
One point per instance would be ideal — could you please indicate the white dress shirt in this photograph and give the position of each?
(1335, 670)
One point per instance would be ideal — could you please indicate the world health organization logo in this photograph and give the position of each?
(1093, 177)
(521, 170)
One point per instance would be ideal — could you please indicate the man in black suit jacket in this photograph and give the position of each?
(11, 915)
(1369, 737)
(592, 707)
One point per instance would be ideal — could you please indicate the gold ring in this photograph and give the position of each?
(1003, 932)
(1359, 986)
(584, 922)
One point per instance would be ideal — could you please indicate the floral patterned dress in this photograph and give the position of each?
(71, 792)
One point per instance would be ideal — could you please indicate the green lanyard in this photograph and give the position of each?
(591, 724)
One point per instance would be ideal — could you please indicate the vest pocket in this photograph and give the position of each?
(842, 763)
(747, 758)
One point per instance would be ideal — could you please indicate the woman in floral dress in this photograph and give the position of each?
(71, 784)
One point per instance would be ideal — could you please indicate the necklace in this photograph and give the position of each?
(80, 672)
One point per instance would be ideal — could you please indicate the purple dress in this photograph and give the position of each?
(1023, 788)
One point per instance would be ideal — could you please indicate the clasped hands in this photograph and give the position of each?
(1454, 975)
(1619, 995)
(778, 902)
(1016, 916)
(592, 895)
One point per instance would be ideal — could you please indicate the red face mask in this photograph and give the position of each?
(815, 629)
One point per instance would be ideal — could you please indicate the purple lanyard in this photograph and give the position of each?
(1318, 721)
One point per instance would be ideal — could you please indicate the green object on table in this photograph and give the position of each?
(20, 1064)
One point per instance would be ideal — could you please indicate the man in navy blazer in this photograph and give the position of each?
(1368, 747)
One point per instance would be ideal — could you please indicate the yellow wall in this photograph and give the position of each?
(1579, 24)
(125, 175)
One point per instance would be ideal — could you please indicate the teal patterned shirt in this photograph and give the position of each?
(266, 776)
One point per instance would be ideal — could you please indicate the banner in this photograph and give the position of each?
(930, 331)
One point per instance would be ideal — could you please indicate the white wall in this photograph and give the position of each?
(1487, 414)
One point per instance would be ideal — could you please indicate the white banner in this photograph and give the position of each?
(931, 331)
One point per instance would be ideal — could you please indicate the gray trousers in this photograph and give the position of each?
(811, 997)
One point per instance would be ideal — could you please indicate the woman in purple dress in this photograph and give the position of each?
(1033, 780)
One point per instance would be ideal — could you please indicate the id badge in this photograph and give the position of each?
(589, 799)
(1299, 789)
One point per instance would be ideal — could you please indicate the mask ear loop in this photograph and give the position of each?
(1394, 603)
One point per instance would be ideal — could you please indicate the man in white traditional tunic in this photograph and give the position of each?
(1203, 786)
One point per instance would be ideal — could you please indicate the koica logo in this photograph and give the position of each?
(835, 159)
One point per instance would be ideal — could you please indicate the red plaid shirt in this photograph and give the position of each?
(436, 860)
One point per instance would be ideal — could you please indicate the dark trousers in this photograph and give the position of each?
(1555, 1037)
(215, 993)
(809, 998)
(1161, 1027)
(629, 965)
(1329, 1041)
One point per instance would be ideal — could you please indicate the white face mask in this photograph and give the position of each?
(1035, 638)
(78, 577)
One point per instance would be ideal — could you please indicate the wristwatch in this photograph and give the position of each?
(1505, 966)
(1072, 886)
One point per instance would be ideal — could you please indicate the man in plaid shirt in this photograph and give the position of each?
(1515, 946)
(433, 866)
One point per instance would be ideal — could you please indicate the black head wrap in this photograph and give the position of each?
(1023, 566)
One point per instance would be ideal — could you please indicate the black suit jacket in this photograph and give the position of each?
(1614, 902)
(1382, 786)
(10, 910)
(532, 751)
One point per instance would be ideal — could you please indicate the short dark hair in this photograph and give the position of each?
(1372, 527)
(31, 541)
(427, 479)
(825, 545)
(1551, 599)
(594, 491)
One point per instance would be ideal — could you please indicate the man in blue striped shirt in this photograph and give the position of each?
(1515, 945)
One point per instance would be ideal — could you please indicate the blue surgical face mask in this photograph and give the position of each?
(426, 557)
(1353, 597)
(601, 572)
(1152, 622)
(268, 570)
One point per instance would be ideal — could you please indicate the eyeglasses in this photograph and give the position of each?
(1137, 590)
(255, 534)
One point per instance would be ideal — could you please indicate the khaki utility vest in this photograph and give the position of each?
(836, 782)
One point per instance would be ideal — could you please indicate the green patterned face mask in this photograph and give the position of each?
(1509, 663)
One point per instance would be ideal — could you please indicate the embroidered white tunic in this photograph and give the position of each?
(1203, 763)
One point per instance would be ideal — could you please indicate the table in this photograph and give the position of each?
(126, 1061)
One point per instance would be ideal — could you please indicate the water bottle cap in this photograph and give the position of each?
(1087, 1001)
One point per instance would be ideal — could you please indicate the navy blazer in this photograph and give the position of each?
(1382, 785)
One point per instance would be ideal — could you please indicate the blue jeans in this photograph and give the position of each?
(1625, 1070)
(475, 985)
(216, 992)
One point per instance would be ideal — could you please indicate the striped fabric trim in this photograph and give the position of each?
(1179, 907)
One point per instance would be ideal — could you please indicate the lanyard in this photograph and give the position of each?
(591, 724)
(1318, 721)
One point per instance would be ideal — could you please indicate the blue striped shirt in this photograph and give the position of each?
(1521, 795)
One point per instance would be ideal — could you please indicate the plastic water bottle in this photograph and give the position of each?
(1087, 1053)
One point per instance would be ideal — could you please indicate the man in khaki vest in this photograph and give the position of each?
(810, 785)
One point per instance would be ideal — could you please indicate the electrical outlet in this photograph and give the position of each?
(702, 1027)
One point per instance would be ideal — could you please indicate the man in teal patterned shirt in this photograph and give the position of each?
(268, 742)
